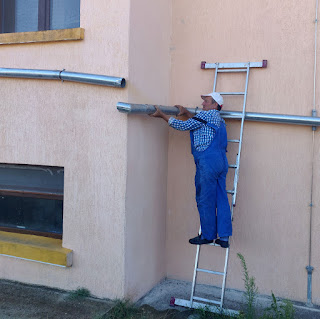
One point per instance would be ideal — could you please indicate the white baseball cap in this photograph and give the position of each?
(216, 96)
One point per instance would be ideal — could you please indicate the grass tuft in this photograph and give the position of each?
(284, 310)
(123, 309)
(79, 293)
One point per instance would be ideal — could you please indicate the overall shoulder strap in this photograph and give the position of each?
(199, 120)
(205, 122)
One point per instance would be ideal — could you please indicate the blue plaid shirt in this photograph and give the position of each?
(202, 133)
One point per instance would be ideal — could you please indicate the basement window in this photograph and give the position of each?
(31, 199)
(38, 15)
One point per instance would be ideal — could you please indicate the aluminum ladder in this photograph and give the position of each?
(197, 302)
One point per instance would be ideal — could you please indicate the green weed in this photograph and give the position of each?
(205, 313)
(79, 293)
(123, 310)
(251, 291)
(283, 311)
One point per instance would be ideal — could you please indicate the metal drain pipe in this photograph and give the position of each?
(250, 116)
(309, 268)
(64, 76)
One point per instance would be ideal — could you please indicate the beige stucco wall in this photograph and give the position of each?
(78, 127)
(149, 79)
(129, 206)
(271, 218)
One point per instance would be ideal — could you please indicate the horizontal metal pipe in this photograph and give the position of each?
(250, 116)
(93, 79)
(64, 76)
(148, 108)
(30, 74)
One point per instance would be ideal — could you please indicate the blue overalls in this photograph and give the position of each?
(210, 181)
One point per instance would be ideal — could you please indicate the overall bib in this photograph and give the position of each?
(210, 181)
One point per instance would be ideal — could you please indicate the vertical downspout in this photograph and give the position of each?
(309, 268)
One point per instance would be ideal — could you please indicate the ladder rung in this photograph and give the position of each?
(234, 141)
(232, 93)
(207, 300)
(214, 244)
(229, 191)
(233, 166)
(231, 70)
(211, 271)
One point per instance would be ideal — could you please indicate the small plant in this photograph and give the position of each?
(276, 311)
(251, 291)
(80, 293)
(205, 313)
(122, 310)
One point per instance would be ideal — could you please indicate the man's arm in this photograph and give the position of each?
(179, 125)
(159, 113)
(182, 111)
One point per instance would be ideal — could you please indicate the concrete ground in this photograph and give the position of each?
(21, 301)
(159, 298)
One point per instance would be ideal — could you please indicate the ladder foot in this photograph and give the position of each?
(172, 301)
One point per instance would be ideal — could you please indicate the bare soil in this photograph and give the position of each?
(22, 301)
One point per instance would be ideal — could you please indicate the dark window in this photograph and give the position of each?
(31, 199)
(38, 15)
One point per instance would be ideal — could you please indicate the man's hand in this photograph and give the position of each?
(159, 113)
(183, 111)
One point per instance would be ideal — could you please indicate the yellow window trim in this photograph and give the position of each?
(35, 248)
(42, 36)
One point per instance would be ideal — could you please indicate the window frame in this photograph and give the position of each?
(35, 193)
(43, 16)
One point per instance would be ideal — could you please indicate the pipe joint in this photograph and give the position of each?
(309, 269)
(314, 114)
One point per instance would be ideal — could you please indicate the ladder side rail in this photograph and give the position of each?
(235, 180)
(232, 207)
(215, 77)
(199, 305)
(194, 279)
(224, 277)
(207, 300)
(241, 134)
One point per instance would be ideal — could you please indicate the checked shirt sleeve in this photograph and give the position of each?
(184, 125)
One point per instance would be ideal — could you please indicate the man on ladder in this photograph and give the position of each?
(209, 145)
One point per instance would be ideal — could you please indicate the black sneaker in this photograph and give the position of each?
(222, 243)
(199, 241)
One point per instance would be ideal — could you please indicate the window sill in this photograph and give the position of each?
(35, 248)
(42, 36)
